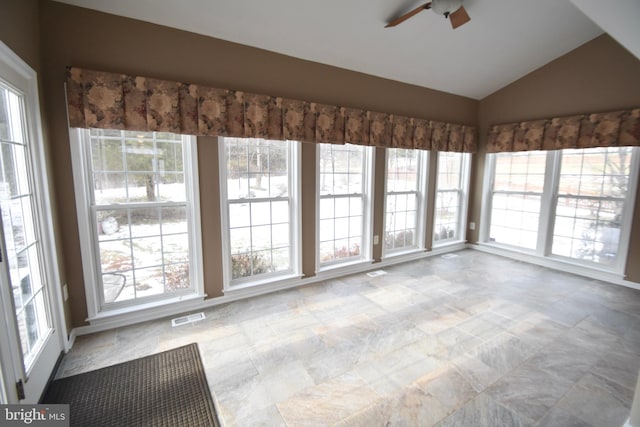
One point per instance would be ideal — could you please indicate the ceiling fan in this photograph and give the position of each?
(451, 9)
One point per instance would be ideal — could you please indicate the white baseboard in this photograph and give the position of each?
(554, 264)
(239, 294)
(71, 339)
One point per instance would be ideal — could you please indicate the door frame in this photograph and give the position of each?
(14, 70)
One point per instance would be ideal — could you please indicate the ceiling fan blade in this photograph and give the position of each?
(408, 15)
(459, 17)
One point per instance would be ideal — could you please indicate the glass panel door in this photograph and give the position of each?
(29, 344)
(22, 247)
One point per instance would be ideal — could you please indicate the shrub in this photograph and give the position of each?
(246, 264)
(176, 276)
(400, 239)
(341, 253)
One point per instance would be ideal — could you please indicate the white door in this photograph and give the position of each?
(30, 341)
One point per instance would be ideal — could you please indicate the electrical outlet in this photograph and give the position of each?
(65, 292)
(376, 239)
(472, 225)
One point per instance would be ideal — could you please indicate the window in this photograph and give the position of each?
(591, 197)
(574, 204)
(140, 195)
(516, 198)
(344, 205)
(404, 200)
(451, 197)
(260, 198)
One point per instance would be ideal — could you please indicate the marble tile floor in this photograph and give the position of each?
(473, 340)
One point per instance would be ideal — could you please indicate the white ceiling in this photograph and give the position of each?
(505, 40)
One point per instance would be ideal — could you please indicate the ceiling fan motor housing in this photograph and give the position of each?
(445, 7)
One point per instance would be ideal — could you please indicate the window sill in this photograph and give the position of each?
(261, 282)
(405, 255)
(260, 287)
(141, 312)
(344, 267)
(446, 243)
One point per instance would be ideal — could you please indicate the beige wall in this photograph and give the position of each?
(88, 39)
(596, 77)
(20, 30)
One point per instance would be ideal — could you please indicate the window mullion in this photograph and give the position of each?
(548, 202)
(627, 214)
(593, 198)
(487, 197)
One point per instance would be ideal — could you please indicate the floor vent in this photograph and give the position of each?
(191, 318)
(376, 273)
(450, 256)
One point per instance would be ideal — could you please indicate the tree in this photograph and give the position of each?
(615, 170)
(254, 159)
(139, 160)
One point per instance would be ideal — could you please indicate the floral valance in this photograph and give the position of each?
(117, 101)
(618, 128)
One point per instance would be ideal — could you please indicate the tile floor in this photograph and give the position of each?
(474, 340)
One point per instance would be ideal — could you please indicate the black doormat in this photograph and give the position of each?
(164, 389)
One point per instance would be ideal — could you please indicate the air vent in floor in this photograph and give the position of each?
(450, 256)
(376, 273)
(191, 318)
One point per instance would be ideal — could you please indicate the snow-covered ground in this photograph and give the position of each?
(175, 192)
(136, 247)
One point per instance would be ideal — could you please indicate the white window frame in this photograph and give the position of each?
(547, 214)
(82, 177)
(295, 231)
(463, 202)
(366, 253)
(421, 205)
(487, 205)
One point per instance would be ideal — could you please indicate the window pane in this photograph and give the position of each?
(522, 171)
(256, 168)
(514, 224)
(341, 169)
(110, 187)
(144, 222)
(280, 212)
(171, 187)
(447, 215)
(261, 237)
(403, 175)
(137, 244)
(136, 167)
(240, 239)
(327, 227)
(176, 277)
(175, 248)
(259, 230)
(449, 196)
(239, 215)
(516, 199)
(591, 197)
(341, 176)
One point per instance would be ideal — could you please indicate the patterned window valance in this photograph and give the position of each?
(117, 101)
(618, 128)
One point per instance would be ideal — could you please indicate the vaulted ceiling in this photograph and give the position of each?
(505, 39)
